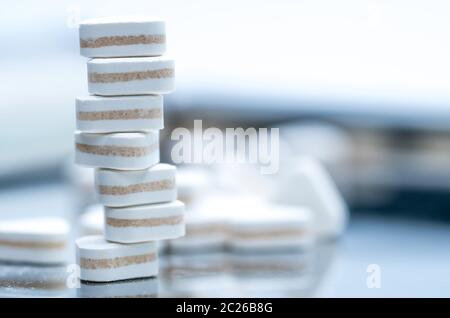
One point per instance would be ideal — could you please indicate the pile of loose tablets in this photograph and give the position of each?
(118, 134)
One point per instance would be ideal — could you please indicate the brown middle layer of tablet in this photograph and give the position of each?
(159, 185)
(206, 229)
(120, 151)
(267, 234)
(120, 114)
(130, 76)
(90, 263)
(32, 244)
(119, 40)
(170, 220)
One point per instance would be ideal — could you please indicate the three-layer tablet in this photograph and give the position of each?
(124, 188)
(122, 36)
(205, 230)
(131, 76)
(119, 113)
(34, 240)
(274, 227)
(143, 223)
(308, 183)
(102, 261)
(123, 151)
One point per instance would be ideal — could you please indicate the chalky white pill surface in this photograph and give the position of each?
(91, 221)
(308, 184)
(35, 240)
(131, 76)
(123, 151)
(135, 288)
(192, 182)
(143, 223)
(102, 261)
(122, 36)
(119, 114)
(271, 227)
(204, 231)
(124, 188)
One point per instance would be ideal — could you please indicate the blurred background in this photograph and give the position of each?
(360, 86)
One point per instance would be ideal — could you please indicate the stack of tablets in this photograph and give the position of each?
(118, 134)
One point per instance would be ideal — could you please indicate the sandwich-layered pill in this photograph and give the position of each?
(131, 76)
(119, 114)
(123, 151)
(204, 231)
(34, 240)
(102, 261)
(143, 223)
(124, 188)
(122, 36)
(273, 227)
(309, 184)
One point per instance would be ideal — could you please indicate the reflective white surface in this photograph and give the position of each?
(411, 255)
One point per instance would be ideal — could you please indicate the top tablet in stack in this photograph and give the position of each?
(122, 36)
